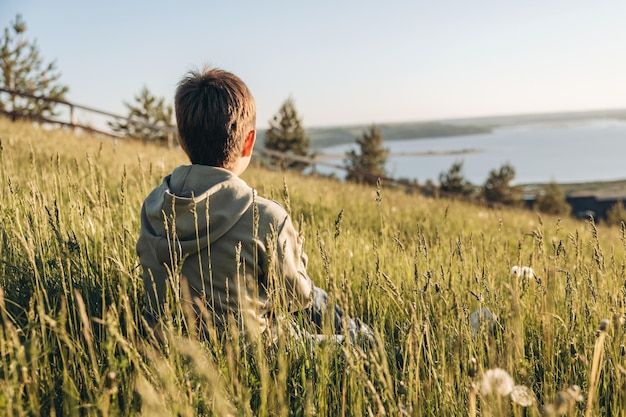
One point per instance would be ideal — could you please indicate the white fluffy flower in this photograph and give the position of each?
(483, 317)
(564, 401)
(575, 394)
(522, 271)
(528, 272)
(498, 382)
(523, 396)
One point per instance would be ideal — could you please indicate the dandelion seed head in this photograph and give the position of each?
(482, 317)
(522, 271)
(496, 381)
(527, 272)
(564, 401)
(575, 394)
(522, 395)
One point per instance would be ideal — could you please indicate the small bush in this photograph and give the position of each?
(616, 214)
(498, 188)
(367, 165)
(551, 200)
(454, 182)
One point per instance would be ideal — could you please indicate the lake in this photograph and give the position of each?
(580, 151)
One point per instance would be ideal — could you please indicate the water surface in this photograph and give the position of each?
(566, 153)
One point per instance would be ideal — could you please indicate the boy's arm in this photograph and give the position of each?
(294, 262)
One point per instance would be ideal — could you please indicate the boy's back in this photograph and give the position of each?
(231, 246)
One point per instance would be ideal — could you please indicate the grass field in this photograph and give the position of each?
(72, 340)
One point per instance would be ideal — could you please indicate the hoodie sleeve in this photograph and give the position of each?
(293, 263)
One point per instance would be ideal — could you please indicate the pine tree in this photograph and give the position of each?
(454, 182)
(367, 165)
(551, 200)
(145, 117)
(23, 70)
(286, 135)
(498, 188)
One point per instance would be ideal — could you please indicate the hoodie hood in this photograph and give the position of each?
(179, 206)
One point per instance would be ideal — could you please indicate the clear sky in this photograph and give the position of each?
(344, 62)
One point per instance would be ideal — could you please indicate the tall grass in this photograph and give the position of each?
(73, 341)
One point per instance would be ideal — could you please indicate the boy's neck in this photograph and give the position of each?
(239, 166)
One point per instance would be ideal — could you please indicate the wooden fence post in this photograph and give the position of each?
(72, 116)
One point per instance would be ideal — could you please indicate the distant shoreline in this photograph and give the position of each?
(326, 156)
(600, 189)
(324, 137)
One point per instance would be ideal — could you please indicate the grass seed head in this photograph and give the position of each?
(472, 369)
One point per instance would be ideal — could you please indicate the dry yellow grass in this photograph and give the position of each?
(72, 340)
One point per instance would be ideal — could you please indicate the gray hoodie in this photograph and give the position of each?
(237, 251)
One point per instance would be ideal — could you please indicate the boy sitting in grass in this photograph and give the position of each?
(239, 253)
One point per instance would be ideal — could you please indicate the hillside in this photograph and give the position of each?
(322, 137)
(327, 136)
(420, 271)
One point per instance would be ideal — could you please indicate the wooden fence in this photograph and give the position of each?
(72, 122)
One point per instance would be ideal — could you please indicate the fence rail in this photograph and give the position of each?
(73, 123)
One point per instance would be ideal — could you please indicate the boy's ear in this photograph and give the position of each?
(248, 144)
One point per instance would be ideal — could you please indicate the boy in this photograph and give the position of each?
(237, 251)
(206, 218)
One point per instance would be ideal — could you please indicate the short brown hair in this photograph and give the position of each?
(214, 112)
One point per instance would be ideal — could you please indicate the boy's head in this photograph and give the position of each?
(216, 114)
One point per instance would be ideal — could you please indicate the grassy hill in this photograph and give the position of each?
(73, 342)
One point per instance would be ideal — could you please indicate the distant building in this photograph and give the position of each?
(585, 205)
